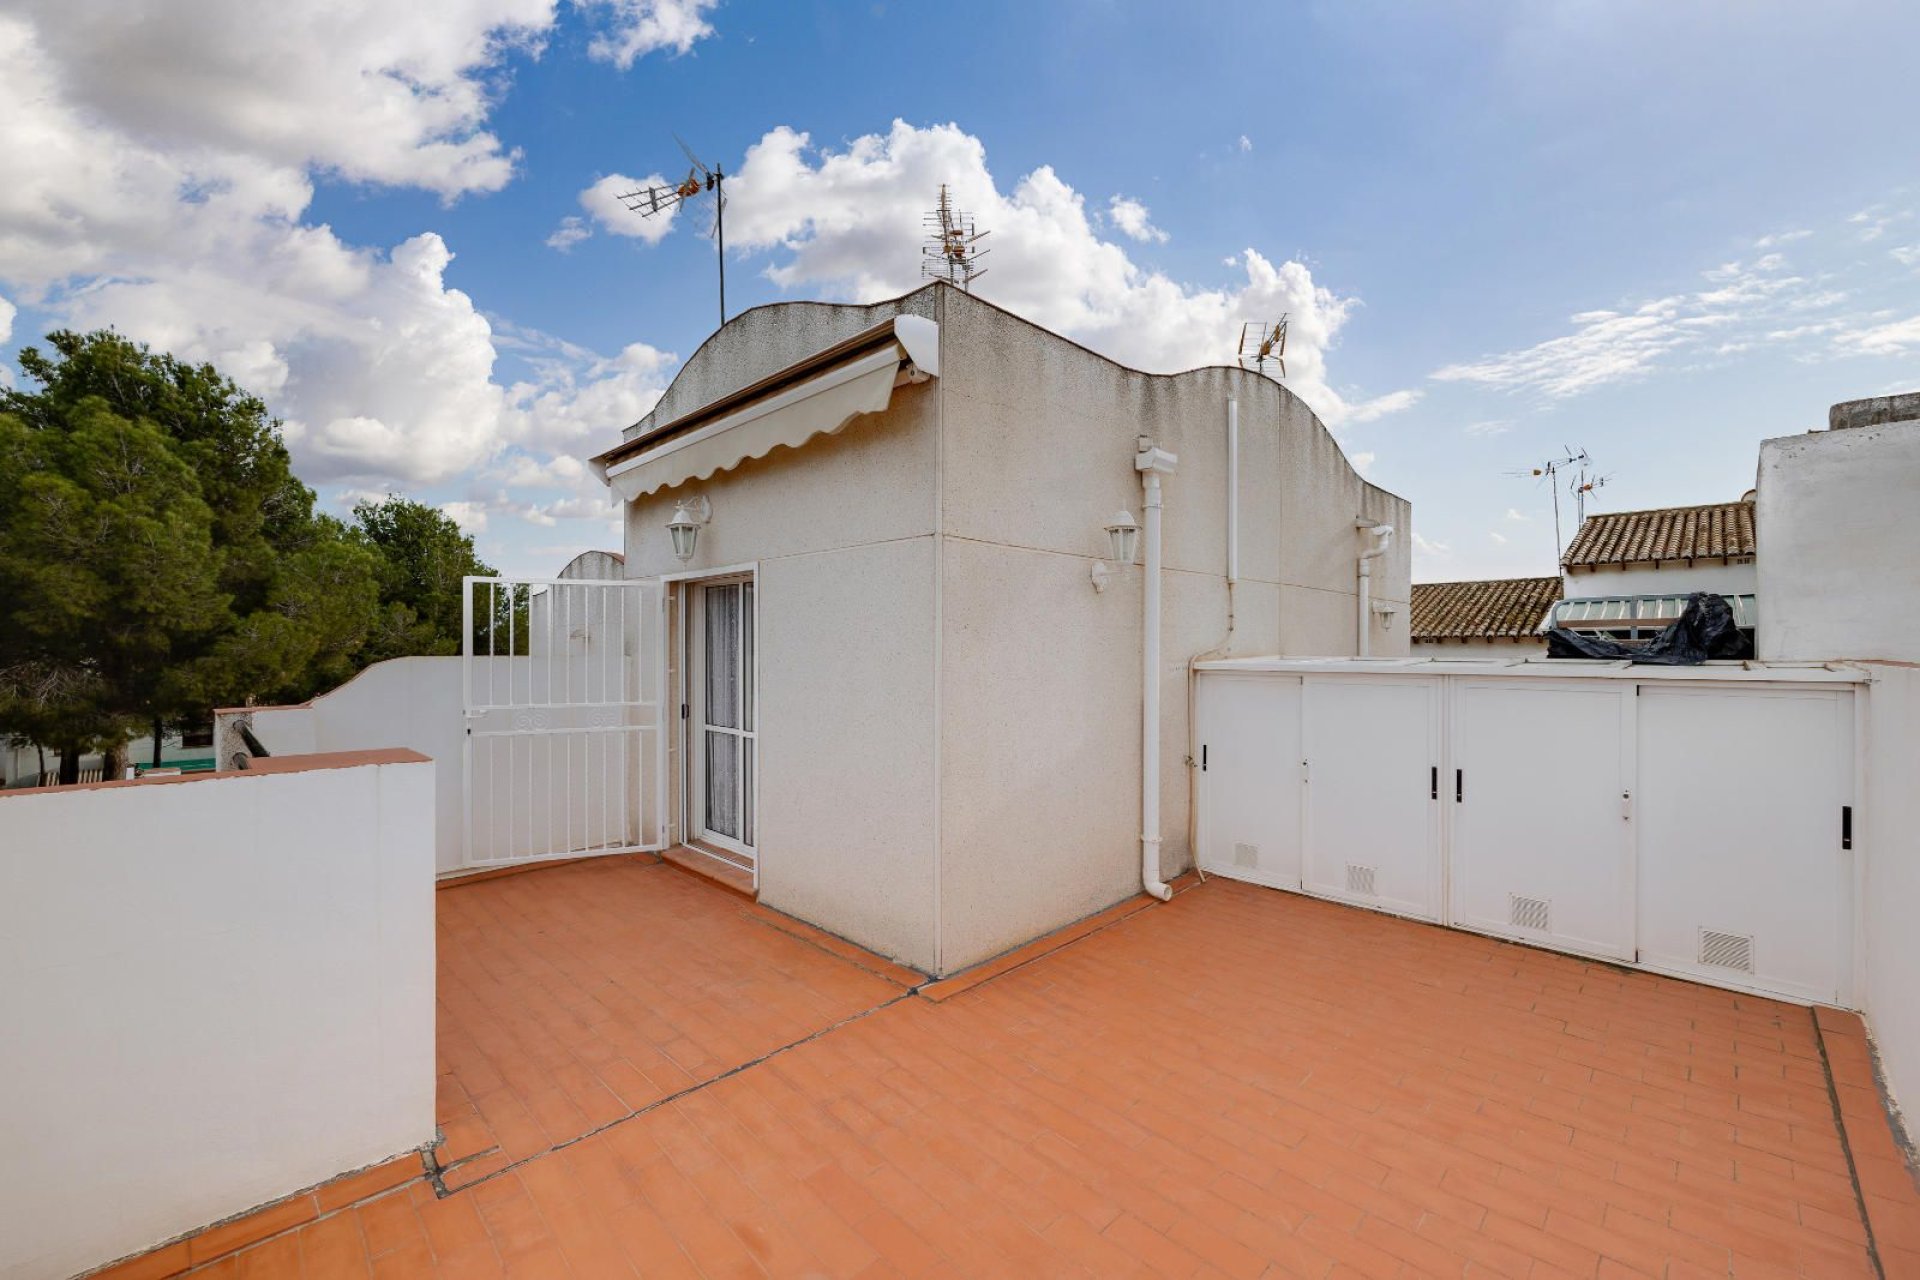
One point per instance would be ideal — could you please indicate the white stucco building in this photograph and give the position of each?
(1627, 574)
(908, 668)
(1839, 516)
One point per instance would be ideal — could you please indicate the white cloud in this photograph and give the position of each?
(7, 312)
(1499, 539)
(1380, 406)
(1607, 346)
(610, 213)
(640, 27)
(1362, 462)
(848, 223)
(1891, 338)
(1134, 221)
(1428, 547)
(1876, 220)
(1490, 427)
(371, 91)
(1246, 143)
(1779, 238)
(470, 516)
(1907, 255)
(161, 164)
(1517, 517)
(571, 231)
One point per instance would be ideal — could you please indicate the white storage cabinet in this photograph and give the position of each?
(1694, 821)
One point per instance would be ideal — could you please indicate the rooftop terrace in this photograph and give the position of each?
(644, 1074)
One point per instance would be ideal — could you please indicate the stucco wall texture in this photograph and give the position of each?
(1836, 527)
(949, 712)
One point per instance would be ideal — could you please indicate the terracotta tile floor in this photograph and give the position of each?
(1240, 1083)
(573, 997)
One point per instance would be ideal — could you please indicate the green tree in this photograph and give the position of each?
(299, 592)
(107, 579)
(260, 509)
(423, 555)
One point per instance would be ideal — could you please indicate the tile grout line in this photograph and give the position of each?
(691, 1089)
(1846, 1145)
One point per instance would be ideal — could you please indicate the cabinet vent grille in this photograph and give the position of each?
(1529, 913)
(1360, 879)
(1726, 950)
(1246, 855)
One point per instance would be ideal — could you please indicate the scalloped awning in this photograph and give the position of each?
(815, 396)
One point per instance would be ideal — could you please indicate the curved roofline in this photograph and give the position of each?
(1286, 392)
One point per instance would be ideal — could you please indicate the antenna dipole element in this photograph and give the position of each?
(652, 201)
(952, 251)
(1262, 342)
(1582, 483)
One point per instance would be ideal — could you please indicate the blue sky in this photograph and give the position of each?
(1661, 232)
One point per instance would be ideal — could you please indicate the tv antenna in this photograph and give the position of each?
(1261, 342)
(650, 202)
(951, 251)
(1577, 466)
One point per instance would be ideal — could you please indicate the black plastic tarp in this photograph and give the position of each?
(1705, 629)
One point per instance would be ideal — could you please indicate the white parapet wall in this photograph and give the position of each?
(218, 990)
(528, 795)
(403, 702)
(1890, 894)
(1837, 524)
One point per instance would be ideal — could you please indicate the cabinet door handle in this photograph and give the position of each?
(1433, 783)
(1459, 786)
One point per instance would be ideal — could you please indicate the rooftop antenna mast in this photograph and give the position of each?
(650, 202)
(1583, 483)
(952, 251)
(1261, 342)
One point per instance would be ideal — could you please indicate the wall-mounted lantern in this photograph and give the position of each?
(1123, 542)
(685, 525)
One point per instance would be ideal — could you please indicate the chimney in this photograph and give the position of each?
(1880, 411)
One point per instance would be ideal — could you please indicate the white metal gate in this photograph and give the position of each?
(565, 753)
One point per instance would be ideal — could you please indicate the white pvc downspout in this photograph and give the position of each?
(1384, 534)
(1151, 463)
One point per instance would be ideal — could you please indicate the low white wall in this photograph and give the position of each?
(415, 703)
(1507, 650)
(1890, 844)
(218, 990)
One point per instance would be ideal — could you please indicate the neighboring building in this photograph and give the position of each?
(1839, 570)
(1628, 573)
(1490, 618)
(908, 666)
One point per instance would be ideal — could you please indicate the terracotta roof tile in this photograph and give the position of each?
(1669, 533)
(1491, 609)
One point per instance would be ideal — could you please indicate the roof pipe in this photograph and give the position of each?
(1379, 535)
(1151, 463)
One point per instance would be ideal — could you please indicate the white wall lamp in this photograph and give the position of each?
(1123, 543)
(685, 525)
